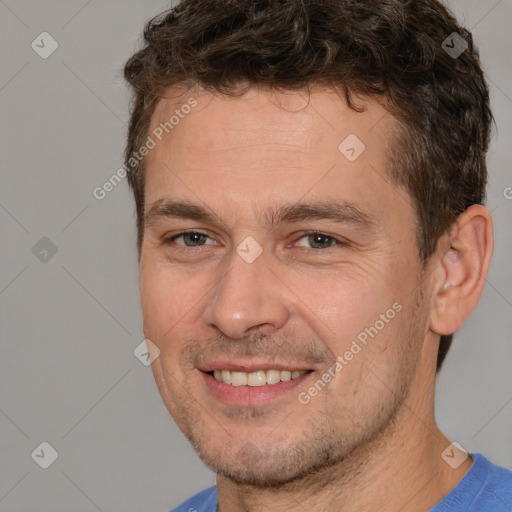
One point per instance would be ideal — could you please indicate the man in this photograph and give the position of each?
(309, 179)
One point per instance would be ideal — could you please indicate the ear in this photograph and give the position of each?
(463, 266)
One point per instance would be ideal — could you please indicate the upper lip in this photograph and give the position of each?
(252, 366)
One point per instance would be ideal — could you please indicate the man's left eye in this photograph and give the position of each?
(318, 241)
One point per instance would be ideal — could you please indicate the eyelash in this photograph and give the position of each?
(170, 240)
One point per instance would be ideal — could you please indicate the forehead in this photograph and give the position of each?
(267, 147)
(261, 119)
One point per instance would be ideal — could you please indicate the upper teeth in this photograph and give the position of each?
(259, 378)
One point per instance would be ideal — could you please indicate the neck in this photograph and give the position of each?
(400, 469)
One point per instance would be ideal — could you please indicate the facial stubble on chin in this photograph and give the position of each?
(310, 453)
(319, 447)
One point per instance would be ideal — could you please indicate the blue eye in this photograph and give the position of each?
(323, 241)
(194, 237)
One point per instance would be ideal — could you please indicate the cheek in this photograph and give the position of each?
(360, 320)
(167, 301)
(345, 302)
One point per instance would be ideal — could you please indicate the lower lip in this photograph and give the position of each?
(252, 395)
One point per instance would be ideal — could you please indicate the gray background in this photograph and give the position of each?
(69, 325)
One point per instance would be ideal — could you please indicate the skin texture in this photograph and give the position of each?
(368, 440)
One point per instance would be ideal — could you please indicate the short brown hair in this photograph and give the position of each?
(394, 49)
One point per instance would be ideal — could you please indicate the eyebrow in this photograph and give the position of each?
(338, 211)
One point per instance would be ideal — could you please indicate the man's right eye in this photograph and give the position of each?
(187, 239)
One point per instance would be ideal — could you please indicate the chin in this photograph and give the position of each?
(266, 466)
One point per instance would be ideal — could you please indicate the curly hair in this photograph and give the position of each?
(393, 49)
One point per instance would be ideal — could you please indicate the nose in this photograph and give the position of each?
(248, 296)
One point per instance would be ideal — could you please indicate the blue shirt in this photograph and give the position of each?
(484, 488)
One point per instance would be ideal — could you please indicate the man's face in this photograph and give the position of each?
(267, 286)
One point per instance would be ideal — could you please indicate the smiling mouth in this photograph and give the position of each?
(256, 379)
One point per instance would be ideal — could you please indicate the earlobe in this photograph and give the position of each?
(465, 264)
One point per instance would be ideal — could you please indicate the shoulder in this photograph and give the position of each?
(485, 487)
(496, 482)
(204, 501)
